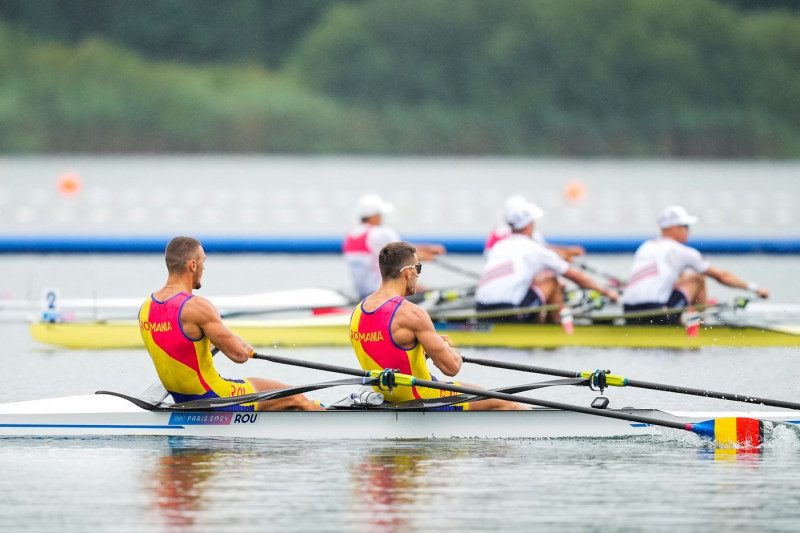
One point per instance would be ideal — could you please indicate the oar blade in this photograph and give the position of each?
(731, 431)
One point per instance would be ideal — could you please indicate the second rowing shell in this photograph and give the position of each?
(333, 331)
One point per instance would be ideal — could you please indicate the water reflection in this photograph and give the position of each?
(195, 482)
(180, 480)
(394, 484)
(750, 455)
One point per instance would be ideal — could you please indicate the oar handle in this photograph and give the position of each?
(310, 364)
(522, 368)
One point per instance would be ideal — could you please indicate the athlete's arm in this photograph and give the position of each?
(438, 349)
(567, 251)
(199, 316)
(731, 280)
(426, 252)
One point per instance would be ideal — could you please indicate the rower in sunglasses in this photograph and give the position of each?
(388, 331)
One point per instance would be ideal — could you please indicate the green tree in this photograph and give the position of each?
(195, 31)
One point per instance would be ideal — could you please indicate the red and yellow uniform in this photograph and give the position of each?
(184, 365)
(371, 337)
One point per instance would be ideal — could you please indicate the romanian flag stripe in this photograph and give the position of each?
(729, 431)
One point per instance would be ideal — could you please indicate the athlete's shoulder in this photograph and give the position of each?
(409, 309)
(199, 306)
(657, 243)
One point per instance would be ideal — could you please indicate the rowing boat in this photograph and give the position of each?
(333, 330)
(51, 305)
(113, 415)
(365, 415)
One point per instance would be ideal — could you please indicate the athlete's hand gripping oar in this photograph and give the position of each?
(726, 431)
(619, 381)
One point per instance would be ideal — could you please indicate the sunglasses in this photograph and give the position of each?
(418, 266)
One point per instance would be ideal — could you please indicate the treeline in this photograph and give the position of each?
(615, 78)
(193, 31)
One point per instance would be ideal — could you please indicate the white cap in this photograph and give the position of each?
(513, 201)
(372, 204)
(518, 213)
(675, 215)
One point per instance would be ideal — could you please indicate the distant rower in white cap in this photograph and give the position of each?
(509, 278)
(502, 230)
(363, 243)
(659, 278)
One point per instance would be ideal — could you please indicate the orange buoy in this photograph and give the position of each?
(69, 184)
(575, 192)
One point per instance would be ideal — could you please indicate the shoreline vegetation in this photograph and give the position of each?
(552, 78)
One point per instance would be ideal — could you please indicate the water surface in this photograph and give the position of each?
(664, 483)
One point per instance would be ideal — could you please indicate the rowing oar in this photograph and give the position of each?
(434, 297)
(620, 381)
(726, 431)
(456, 269)
(658, 312)
(445, 401)
(565, 309)
(206, 404)
(613, 281)
(495, 313)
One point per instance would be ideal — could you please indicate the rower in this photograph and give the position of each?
(363, 243)
(502, 230)
(388, 331)
(668, 274)
(178, 329)
(510, 277)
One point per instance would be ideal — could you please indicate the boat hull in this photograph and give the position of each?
(333, 330)
(107, 415)
(290, 300)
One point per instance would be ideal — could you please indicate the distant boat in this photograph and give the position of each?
(333, 330)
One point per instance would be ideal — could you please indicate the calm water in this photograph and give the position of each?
(210, 485)
(157, 484)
